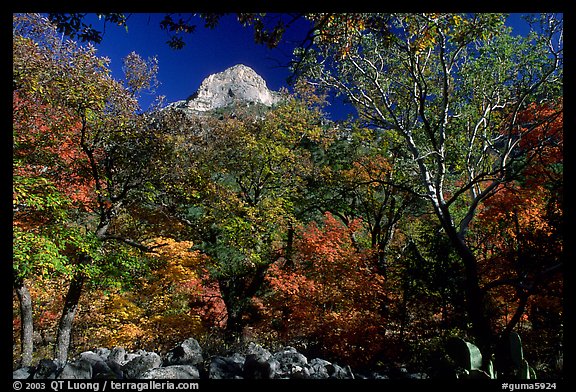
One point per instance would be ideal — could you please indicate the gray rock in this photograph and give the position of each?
(319, 368)
(236, 84)
(180, 363)
(115, 368)
(418, 376)
(259, 351)
(338, 372)
(46, 369)
(188, 352)
(141, 364)
(230, 367)
(399, 372)
(299, 372)
(100, 367)
(76, 370)
(90, 357)
(372, 375)
(256, 367)
(259, 363)
(103, 352)
(23, 373)
(131, 356)
(288, 359)
(172, 372)
(117, 355)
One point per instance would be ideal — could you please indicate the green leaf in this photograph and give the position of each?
(465, 354)
(516, 351)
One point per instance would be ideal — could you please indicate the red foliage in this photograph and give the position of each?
(47, 144)
(520, 227)
(332, 294)
(206, 301)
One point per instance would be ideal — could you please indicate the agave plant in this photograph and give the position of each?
(510, 360)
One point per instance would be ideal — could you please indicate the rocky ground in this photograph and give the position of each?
(187, 361)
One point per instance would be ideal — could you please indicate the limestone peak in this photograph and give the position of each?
(237, 84)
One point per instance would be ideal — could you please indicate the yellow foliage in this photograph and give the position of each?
(155, 315)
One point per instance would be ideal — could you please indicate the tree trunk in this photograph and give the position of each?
(290, 245)
(67, 318)
(232, 302)
(237, 293)
(27, 328)
(475, 299)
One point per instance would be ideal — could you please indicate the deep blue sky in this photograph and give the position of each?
(208, 51)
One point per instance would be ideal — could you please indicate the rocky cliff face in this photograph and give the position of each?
(239, 84)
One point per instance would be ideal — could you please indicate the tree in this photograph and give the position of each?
(520, 226)
(238, 177)
(258, 169)
(358, 175)
(331, 294)
(37, 203)
(98, 158)
(452, 88)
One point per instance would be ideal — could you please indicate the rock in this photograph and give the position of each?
(373, 375)
(91, 357)
(239, 83)
(230, 367)
(185, 361)
(399, 372)
(76, 370)
(117, 355)
(338, 372)
(24, 373)
(46, 369)
(299, 372)
(417, 376)
(259, 351)
(259, 363)
(131, 356)
(100, 366)
(115, 368)
(188, 352)
(288, 359)
(102, 352)
(172, 372)
(141, 364)
(257, 368)
(319, 368)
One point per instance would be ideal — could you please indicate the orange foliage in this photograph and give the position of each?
(156, 313)
(332, 294)
(168, 306)
(519, 228)
(47, 143)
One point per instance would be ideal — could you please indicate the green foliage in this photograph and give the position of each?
(80, 151)
(73, 26)
(36, 254)
(38, 195)
(140, 74)
(510, 359)
(516, 351)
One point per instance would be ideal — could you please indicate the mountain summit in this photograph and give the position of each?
(237, 84)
